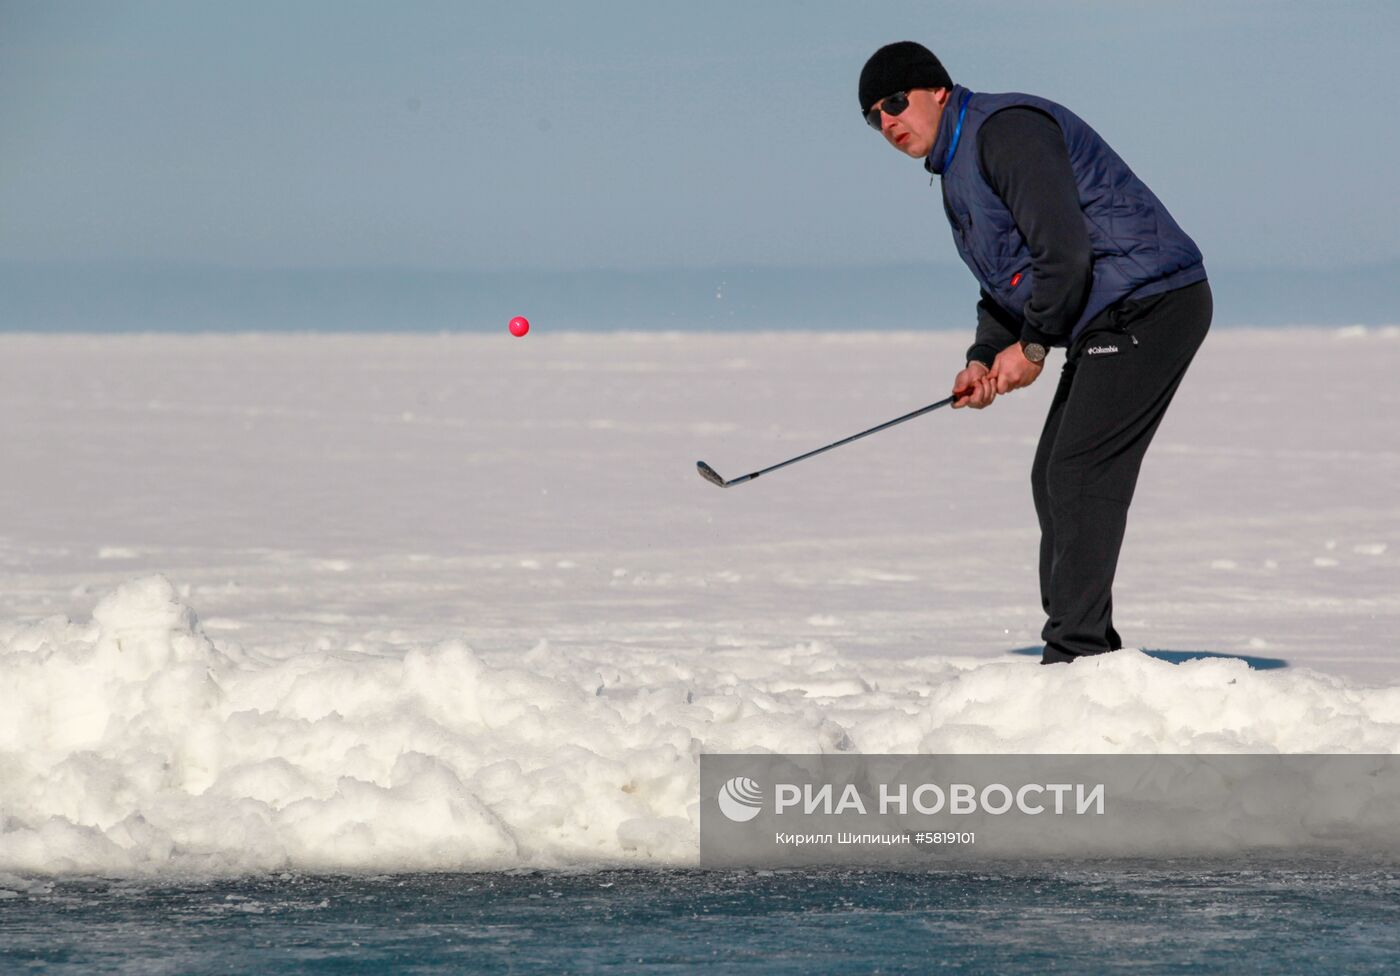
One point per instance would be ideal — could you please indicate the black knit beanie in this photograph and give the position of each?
(900, 66)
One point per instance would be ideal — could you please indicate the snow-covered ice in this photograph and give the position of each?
(461, 601)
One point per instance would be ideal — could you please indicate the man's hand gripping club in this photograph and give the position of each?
(977, 386)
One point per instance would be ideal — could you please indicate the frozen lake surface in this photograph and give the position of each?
(396, 604)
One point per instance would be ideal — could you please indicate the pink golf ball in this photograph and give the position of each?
(519, 326)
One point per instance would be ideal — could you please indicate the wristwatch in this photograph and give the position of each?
(1034, 351)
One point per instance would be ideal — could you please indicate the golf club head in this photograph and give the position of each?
(709, 474)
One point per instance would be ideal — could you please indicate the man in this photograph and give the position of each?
(1071, 249)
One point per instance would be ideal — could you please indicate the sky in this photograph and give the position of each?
(631, 136)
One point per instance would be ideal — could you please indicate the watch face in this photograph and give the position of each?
(1034, 351)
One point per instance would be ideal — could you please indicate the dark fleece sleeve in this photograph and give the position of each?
(995, 331)
(1024, 158)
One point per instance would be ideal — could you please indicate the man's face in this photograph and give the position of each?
(914, 130)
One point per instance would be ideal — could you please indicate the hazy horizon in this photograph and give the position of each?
(106, 297)
(495, 136)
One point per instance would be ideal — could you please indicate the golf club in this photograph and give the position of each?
(712, 476)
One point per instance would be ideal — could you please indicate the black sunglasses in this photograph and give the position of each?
(890, 105)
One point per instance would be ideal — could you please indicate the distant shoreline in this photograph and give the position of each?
(100, 299)
(1384, 331)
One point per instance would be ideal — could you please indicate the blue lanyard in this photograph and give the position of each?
(957, 132)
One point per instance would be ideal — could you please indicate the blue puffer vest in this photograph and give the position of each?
(1138, 249)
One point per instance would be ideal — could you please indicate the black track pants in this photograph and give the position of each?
(1116, 385)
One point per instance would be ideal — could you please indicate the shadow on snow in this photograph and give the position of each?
(1178, 657)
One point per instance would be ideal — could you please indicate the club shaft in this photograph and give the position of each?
(845, 440)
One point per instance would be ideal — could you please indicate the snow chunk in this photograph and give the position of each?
(118, 552)
(132, 745)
